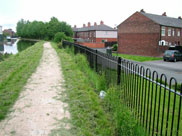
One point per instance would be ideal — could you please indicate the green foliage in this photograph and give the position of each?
(88, 117)
(115, 47)
(91, 115)
(4, 56)
(60, 45)
(59, 37)
(122, 118)
(136, 58)
(14, 73)
(22, 45)
(42, 30)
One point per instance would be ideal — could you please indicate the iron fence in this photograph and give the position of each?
(154, 100)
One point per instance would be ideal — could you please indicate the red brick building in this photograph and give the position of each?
(10, 32)
(95, 36)
(148, 34)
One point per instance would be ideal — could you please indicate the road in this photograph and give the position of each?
(170, 69)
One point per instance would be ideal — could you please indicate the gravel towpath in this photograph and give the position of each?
(39, 108)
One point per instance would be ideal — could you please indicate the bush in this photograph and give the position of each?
(59, 37)
(69, 39)
(60, 45)
(115, 47)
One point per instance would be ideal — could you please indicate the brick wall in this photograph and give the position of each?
(93, 45)
(99, 40)
(173, 39)
(139, 35)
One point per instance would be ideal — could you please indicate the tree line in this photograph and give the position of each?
(42, 30)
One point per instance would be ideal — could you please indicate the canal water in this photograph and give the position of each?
(14, 46)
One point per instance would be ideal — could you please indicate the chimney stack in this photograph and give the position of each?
(74, 26)
(179, 17)
(84, 25)
(142, 10)
(95, 24)
(88, 24)
(101, 22)
(164, 14)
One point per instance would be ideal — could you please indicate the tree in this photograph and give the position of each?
(43, 30)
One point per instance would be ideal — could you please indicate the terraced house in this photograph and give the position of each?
(149, 34)
(95, 36)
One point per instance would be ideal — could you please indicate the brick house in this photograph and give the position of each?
(10, 32)
(95, 36)
(148, 34)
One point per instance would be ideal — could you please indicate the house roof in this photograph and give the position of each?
(164, 20)
(94, 28)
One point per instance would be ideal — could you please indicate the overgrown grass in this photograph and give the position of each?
(4, 56)
(91, 115)
(14, 73)
(136, 58)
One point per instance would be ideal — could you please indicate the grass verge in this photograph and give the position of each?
(137, 58)
(90, 115)
(14, 73)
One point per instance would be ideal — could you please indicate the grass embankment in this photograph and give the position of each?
(90, 115)
(136, 58)
(148, 96)
(14, 73)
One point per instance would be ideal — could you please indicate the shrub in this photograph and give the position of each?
(60, 45)
(115, 47)
(59, 37)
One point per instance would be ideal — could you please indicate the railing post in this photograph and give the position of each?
(119, 71)
(96, 60)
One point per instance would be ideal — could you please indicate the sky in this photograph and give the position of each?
(79, 12)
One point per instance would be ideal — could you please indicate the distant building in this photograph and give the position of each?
(148, 34)
(10, 32)
(1, 30)
(1, 34)
(95, 35)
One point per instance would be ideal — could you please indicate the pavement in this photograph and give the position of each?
(170, 69)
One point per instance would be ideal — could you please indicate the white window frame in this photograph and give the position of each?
(179, 33)
(169, 31)
(173, 33)
(163, 31)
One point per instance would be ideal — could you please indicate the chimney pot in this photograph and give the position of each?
(164, 14)
(142, 10)
(84, 25)
(101, 22)
(179, 17)
(95, 24)
(74, 26)
(88, 24)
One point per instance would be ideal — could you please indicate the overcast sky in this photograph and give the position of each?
(77, 12)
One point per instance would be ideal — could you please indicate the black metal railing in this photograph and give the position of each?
(154, 100)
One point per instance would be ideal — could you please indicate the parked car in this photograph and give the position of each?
(172, 55)
(179, 48)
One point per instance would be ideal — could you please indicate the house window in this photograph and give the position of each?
(163, 31)
(179, 43)
(170, 43)
(169, 31)
(179, 32)
(173, 32)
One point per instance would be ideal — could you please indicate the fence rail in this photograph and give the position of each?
(155, 103)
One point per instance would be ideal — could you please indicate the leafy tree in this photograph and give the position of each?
(43, 30)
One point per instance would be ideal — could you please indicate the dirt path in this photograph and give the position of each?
(38, 110)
